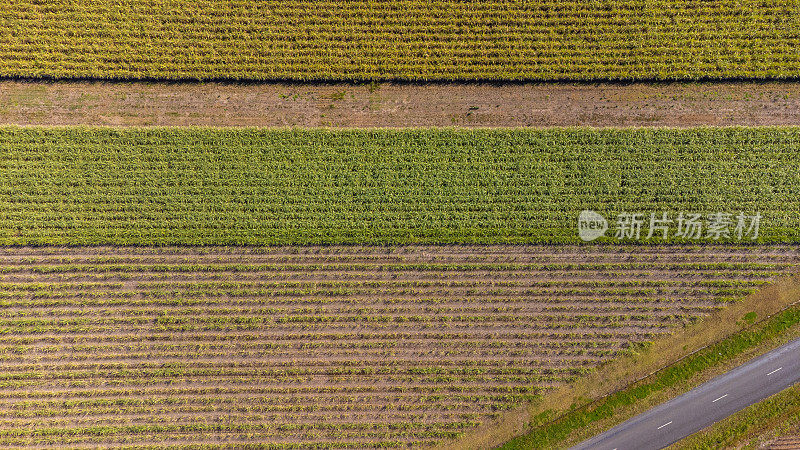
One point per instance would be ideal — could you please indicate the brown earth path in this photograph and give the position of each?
(398, 105)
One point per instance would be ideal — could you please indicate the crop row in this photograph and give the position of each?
(411, 351)
(72, 186)
(393, 270)
(384, 254)
(405, 39)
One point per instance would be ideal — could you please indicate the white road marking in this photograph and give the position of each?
(779, 368)
(720, 398)
(662, 426)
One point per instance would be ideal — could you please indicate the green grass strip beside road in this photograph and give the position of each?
(552, 434)
(75, 186)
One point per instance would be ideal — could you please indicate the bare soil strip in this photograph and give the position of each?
(399, 105)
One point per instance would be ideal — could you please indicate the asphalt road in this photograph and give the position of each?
(708, 403)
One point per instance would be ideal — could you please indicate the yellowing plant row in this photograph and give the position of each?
(400, 39)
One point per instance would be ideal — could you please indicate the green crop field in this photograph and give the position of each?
(80, 186)
(402, 40)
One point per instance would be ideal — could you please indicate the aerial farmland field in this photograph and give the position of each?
(395, 224)
(399, 40)
(165, 286)
(160, 186)
(329, 347)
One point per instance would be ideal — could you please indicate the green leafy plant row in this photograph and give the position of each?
(158, 186)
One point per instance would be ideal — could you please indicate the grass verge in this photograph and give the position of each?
(633, 384)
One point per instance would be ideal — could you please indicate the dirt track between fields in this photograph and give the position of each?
(399, 105)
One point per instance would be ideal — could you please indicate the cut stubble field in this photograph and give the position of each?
(321, 347)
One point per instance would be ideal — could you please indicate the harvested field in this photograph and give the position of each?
(329, 346)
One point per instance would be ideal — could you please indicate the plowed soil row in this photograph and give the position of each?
(325, 347)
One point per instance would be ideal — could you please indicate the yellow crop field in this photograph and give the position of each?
(399, 40)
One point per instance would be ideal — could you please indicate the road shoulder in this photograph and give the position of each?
(631, 385)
